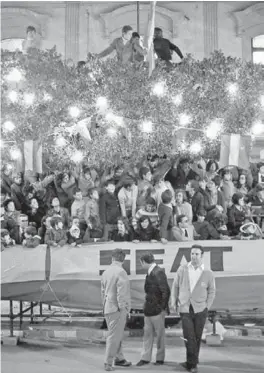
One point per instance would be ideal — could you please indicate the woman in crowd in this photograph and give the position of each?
(182, 207)
(236, 214)
(146, 231)
(242, 186)
(35, 213)
(123, 232)
(211, 169)
(11, 221)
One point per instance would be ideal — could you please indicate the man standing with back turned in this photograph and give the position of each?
(193, 291)
(115, 289)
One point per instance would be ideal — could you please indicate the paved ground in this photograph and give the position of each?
(234, 356)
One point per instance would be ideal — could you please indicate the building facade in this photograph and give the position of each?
(198, 28)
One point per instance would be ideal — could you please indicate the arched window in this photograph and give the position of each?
(12, 44)
(258, 49)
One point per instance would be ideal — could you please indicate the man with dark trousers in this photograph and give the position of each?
(156, 305)
(193, 293)
(164, 48)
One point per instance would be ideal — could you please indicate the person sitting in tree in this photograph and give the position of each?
(163, 47)
(31, 40)
(122, 45)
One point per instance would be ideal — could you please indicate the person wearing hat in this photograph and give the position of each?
(115, 291)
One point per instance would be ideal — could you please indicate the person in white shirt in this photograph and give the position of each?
(193, 293)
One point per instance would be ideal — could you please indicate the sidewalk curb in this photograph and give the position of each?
(98, 336)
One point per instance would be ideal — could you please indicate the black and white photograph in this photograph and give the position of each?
(132, 186)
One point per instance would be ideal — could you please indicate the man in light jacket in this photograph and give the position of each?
(115, 290)
(192, 294)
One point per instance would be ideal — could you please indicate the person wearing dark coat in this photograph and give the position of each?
(163, 47)
(6, 180)
(155, 307)
(123, 232)
(109, 209)
(236, 214)
(146, 231)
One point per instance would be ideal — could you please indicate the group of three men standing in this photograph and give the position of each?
(192, 294)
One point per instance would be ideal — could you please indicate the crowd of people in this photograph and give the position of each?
(158, 200)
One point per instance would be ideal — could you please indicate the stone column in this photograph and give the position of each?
(72, 20)
(210, 27)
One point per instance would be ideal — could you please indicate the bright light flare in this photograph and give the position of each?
(195, 148)
(177, 100)
(159, 89)
(77, 157)
(184, 119)
(13, 96)
(47, 97)
(9, 126)
(102, 103)
(29, 98)
(213, 129)
(15, 154)
(74, 111)
(257, 128)
(15, 75)
(60, 141)
(232, 89)
(147, 126)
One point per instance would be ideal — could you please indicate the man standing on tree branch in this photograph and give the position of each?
(193, 293)
(163, 47)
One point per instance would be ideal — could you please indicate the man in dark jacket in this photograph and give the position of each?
(109, 209)
(163, 47)
(156, 304)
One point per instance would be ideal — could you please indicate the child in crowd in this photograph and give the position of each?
(56, 235)
(165, 215)
(6, 240)
(109, 209)
(92, 217)
(45, 225)
(31, 240)
(149, 210)
(75, 234)
(228, 187)
(78, 206)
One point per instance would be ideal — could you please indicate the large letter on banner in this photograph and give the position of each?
(235, 151)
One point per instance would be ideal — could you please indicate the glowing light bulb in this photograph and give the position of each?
(77, 157)
(232, 89)
(102, 103)
(47, 97)
(183, 146)
(159, 89)
(60, 141)
(15, 75)
(257, 128)
(15, 154)
(147, 126)
(110, 117)
(177, 100)
(195, 148)
(184, 119)
(9, 126)
(74, 111)
(13, 96)
(213, 129)
(29, 98)
(111, 132)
